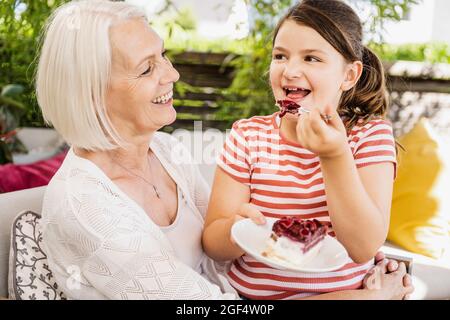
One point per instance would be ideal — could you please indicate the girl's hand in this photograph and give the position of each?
(324, 135)
(247, 210)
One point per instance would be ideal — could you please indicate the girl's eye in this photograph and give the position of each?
(278, 56)
(311, 59)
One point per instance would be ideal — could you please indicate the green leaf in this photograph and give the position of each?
(12, 89)
(5, 153)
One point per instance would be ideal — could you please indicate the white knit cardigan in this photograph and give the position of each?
(102, 245)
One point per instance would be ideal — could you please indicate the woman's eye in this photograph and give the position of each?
(165, 57)
(149, 69)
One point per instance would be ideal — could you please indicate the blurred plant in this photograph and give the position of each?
(429, 52)
(20, 25)
(10, 112)
(174, 23)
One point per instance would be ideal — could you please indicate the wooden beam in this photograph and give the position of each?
(402, 84)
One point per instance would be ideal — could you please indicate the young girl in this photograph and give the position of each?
(334, 162)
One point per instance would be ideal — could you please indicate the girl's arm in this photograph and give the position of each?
(228, 203)
(359, 203)
(358, 199)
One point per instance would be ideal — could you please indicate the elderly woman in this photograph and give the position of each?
(123, 216)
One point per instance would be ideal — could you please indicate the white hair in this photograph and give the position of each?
(74, 71)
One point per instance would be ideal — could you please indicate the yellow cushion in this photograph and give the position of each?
(420, 215)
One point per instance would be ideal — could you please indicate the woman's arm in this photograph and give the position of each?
(121, 253)
(228, 203)
(138, 266)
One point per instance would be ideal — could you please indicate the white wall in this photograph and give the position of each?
(418, 29)
(214, 18)
(441, 21)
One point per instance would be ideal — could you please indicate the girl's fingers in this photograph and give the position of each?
(318, 126)
(333, 118)
(311, 127)
(299, 129)
(249, 211)
(303, 129)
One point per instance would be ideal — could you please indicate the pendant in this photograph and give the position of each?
(156, 192)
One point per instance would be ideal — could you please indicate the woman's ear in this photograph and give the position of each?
(352, 74)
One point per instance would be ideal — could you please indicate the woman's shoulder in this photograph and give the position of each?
(77, 179)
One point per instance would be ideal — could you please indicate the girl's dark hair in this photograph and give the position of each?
(338, 24)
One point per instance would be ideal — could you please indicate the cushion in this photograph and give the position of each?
(29, 275)
(420, 213)
(23, 176)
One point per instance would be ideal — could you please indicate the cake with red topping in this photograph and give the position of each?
(288, 106)
(295, 240)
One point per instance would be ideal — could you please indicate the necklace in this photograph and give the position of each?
(157, 193)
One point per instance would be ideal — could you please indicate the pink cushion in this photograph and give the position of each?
(15, 177)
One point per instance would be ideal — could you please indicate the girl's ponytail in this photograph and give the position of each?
(369, 97)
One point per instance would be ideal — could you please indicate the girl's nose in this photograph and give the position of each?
(292, 71)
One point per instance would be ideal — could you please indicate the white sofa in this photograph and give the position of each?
(431, 278)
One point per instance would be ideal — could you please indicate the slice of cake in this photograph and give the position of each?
(295, 240)
(288, 106)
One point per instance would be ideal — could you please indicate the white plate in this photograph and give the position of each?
(252, 238)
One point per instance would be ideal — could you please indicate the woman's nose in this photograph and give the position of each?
(170, 74)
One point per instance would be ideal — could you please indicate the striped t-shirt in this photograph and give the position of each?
(286, 180)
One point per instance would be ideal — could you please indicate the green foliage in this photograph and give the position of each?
(175, 24)
(11, 111)
(251, 80)
(20, 25)
(429, 52)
